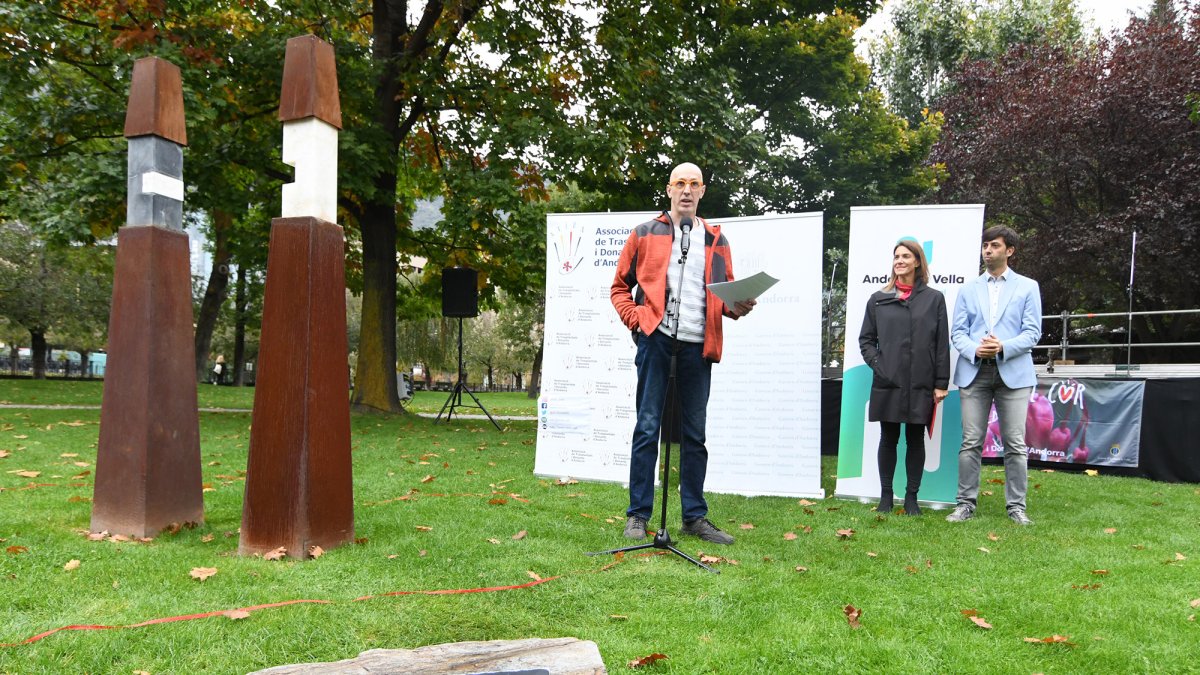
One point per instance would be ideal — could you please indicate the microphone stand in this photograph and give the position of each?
(662, 539)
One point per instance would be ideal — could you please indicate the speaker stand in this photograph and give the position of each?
(460, 387)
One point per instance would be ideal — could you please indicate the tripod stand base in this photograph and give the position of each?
(455, 401)
(662, 540)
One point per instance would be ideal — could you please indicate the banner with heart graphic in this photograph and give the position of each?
(1079, 421)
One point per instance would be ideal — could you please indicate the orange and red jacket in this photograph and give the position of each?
(643, 264)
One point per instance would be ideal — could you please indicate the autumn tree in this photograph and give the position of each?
(1078, 151)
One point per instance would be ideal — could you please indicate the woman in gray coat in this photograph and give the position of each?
(906, 342)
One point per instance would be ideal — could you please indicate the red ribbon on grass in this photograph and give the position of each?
(224, 612)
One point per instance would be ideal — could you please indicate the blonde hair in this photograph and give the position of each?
(920, 274)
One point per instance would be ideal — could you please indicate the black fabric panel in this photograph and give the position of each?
(1170, 415)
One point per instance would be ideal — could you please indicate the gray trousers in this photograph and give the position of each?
(1011, 405)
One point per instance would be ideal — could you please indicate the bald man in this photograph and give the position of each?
(672, 302)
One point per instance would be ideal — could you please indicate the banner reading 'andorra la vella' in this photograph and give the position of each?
(950, 237)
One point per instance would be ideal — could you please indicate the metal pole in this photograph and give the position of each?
(1066, 318)
(1129, 327)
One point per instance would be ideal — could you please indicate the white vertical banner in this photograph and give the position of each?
(950, 237)
(764, 409)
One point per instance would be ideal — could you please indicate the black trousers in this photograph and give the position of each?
(914, 463)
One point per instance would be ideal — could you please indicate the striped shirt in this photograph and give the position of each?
(686, 307)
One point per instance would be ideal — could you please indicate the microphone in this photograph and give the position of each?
(685, 226)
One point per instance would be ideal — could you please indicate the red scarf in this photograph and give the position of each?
(903, 291)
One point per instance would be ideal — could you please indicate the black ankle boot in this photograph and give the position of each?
(886, 502)
(911, 507)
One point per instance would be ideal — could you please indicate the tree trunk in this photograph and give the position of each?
(239, 330)
(535, 373)
(37, 341)
(214, 293)
(84, 371)
(375, 378)
(14, 356)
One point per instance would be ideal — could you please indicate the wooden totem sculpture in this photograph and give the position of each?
(299, 489)
(148, 460)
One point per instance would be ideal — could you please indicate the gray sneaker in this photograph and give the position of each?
(635, 527)
(1018, 516)
(960, 513)
(703, 528)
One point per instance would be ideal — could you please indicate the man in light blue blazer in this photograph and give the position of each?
(997, 321)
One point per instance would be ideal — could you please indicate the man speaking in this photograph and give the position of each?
(672, 300)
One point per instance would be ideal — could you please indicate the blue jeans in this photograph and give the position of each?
(1011, 406)
(693, 377)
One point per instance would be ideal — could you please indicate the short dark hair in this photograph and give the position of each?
(1001, 232)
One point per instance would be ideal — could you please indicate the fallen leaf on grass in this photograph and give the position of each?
(1065, 639)
(992, 536)
(20, 437)
(566, 481)
(237, 614)
(277, 554)
(202, 573)
(424, 528)
(1091, 472)
(1110, 530)
(207, 538)
(852, 614)
(428, 479)
(16, 550)
(789, 535)
(1194, 604)
(984, 549)
(747, 526)
(315, 551)
(1085, 587)
(996, 481)
(5, 453)
(27, 474)
(618, 617)
(71, 565)
(910, 569)
(493, 540)
(520, 535)
(872, 554)
(646, 660)
(1100, 573)
(97, 536)
(801, 568)
(805, 502)
(987, 493)
(979, 621)
(1180, 556)
(497, 501)
(77, 498)
(533, 575)
(845, 534)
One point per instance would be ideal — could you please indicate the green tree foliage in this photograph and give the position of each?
(929, 39)
(1079, 150)
(59, 294)
(479, 103)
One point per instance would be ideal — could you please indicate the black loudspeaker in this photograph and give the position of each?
(460, 292)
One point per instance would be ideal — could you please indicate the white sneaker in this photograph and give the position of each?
(960, 513)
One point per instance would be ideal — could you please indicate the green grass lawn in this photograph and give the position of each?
(1112, 564)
